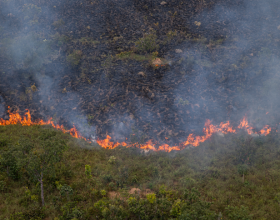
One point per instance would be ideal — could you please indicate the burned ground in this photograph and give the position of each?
(81, 62)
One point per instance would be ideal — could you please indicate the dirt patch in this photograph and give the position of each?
(113, 195)
(135, 191)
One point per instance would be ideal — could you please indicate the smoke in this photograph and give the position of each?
(35, 66)
(56, 61)
(236, 71)
(2, 107)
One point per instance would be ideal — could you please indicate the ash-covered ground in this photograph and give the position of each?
(92, 63)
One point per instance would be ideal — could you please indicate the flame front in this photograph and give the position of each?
(245, 125)
(192, 140)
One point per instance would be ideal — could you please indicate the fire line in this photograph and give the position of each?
(192, 140)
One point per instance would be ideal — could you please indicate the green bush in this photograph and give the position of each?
(151, 197)
(9, 164)
(66, 190)
(148, 43)
(176, 208)
(17, 216)
(74, 58)
(88, 171)
(242, 169)
(236, 213)
(70, 211)
(30, 214)
(112, 160)
(2, 185)
(3, 143)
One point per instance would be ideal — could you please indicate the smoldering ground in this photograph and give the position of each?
(228, 66)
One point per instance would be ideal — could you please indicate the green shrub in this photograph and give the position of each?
(148, 43)
(28, 198)
(59, 23)
(2, 185)
(30, 214)
(162, 190)
(47, 134)
(112, 160)
(70, 211)
(3, 143)
(74, 58)
(9, 164)
(242, 169)
(88, 171)
(66, 190)
(176, 208)
(31, 13)
(194, 208)
(99, 206)
(17, 216)
(107, 178)
(236, 213)
(34, 214)
(105, 212)
(151, 197)
(103, 192)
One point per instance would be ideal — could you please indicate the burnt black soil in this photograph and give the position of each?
(68, 50)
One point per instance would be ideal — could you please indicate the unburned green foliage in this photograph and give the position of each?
(74, 58)
(210, 181)
(148, 43)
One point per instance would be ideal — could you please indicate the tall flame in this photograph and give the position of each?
(192, 140)
(15, 118)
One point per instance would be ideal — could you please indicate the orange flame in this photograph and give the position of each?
(107, 144)
(245, 125)
(209, 130)
(15, 118)
(266, 130)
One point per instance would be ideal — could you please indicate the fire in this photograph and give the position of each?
(266, 130)
(245, 125)
(192, 140)
(15, 118)
(209, 130)
(106, 143)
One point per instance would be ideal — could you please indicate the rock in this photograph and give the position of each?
(197, 23)
(142, 74)
(163, 3)
(178, 51)
(157, 61)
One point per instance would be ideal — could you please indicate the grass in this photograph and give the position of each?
(213, 169)
(74, 58)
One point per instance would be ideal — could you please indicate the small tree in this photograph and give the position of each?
(88, 171)
(8, 163)
(41, 160)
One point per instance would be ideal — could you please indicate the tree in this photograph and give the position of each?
(41, 160)
(8, 163)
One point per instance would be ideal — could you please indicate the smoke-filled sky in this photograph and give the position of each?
(57, 58)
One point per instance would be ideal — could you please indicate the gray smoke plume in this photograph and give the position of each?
(227, 69)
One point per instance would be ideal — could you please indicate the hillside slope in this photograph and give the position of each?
(235, 176)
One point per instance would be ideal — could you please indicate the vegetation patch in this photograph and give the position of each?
(74, 58)
(47, 174)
